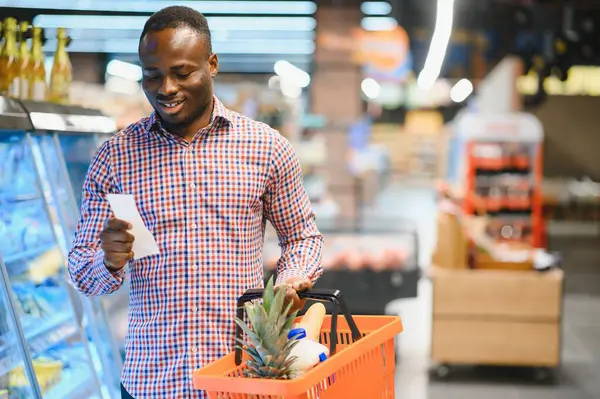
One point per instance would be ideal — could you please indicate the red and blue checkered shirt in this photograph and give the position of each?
(206, 202)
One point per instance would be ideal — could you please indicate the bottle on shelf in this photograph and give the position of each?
(1, 39)
(24, 61)
(62, 74)
(9, 60)
(38, 88)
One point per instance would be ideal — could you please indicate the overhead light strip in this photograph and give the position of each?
(439, 44)
(229, 47)
(378, 23)
(206, 7)
(137, 22)
(217, 35)
(376, 8)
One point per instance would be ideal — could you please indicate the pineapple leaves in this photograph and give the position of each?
(267, 345)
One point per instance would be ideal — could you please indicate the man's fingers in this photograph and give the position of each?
(117, 225)
(292, 296)
(122, 236)
(117, 247)
(302, 285)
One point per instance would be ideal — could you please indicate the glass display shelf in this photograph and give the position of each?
(39, 212)
(34, 224)
(15, 382)
(78, 151)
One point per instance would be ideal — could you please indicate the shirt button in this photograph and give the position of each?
(194, 308)
(194, 350)
(195, 267)
(192, 185)
(194, 226)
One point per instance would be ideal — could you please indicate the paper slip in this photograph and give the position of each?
(124, 208)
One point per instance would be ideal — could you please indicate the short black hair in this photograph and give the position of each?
(176, 17)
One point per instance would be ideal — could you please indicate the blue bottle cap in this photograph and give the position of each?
(297, 333)
(322, 357)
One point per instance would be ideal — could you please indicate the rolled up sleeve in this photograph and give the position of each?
(288, 208)
(87, 272)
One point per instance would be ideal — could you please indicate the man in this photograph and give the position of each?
(205, 180)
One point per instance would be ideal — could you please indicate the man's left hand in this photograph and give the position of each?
(292, 286)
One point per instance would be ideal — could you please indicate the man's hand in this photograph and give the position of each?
(292, 286)
(117, 244)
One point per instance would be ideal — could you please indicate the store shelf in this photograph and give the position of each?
(10, 198)
(52, 332)
(76, 383)
(40, 339)
(17, 264)
(7, 360)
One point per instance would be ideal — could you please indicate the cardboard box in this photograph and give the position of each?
(497, 317)
(451, 247)
(485, 261)
(498, 293)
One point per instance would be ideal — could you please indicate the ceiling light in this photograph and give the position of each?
(290, 90)
(119, 22)
(206, 7)
(123, 86)
(124, 70)
(376, 8)
(370, 88)
(130, 46)
(378, 23)
(461, 90)
(439, 44)
(291, 73)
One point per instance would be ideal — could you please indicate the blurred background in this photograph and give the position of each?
(448, 149)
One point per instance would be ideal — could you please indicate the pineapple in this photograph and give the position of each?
(268, 345)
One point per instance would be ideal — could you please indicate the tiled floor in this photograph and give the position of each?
(580, 372)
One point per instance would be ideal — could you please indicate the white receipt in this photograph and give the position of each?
(124, 208)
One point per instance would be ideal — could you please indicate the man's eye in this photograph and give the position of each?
(151, 77)
(183, 75)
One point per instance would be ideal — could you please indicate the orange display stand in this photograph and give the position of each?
(498, 159)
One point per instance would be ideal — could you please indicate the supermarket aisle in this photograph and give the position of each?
(580, 376)
(415, 203)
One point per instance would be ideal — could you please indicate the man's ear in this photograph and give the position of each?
(213, 65)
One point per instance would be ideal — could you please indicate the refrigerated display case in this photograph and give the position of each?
(372, 261)
(66, 335)
(13, 355)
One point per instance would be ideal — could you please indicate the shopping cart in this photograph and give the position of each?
(361, 363)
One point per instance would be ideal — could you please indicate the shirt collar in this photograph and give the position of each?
(220, 112)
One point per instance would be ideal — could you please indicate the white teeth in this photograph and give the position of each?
(171, 105)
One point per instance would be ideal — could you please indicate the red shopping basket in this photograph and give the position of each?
(361, 365)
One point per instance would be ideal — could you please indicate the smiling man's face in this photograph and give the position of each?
(178, 71)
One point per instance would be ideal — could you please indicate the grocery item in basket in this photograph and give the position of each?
(307, 353)
(267, 342)
(312, 321)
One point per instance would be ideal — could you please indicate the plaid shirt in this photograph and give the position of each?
(206, 202)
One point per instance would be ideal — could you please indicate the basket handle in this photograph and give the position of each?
(318, 294)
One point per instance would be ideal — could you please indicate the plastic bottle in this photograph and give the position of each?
(312, 321)
(308, 353)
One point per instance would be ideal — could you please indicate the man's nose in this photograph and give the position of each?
(168, 88)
